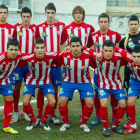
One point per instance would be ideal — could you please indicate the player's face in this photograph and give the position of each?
(103, 23)
(76, 49)
(26, 19)
(136, 58)
(40, 50)
(78, 17)
(133, 26)
(108, 52)
(12, 51)
(50, 14)
(3, 15)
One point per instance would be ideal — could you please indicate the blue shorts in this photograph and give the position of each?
(134, 87)
(30, 89)
(95, 82)
(118, 94)
(21, 73)
(67, 90)
(12, 78)
(56, 75)
(6, 90)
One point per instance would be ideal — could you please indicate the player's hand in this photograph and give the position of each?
(67, 49)
(99, 56)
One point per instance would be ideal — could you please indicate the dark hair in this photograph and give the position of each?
(80, 9)
(13, 41)
(104, 15)
(108, 43)
(133, 18)
(50, 6)
(39, 41)
(136, 48)
(26, 10)
(2, 6)
(76, 39)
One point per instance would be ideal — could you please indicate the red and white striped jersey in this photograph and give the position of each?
(7, 66)
(26, 37)
(77, 68)
(82, 30)
(6, 33)
(39, 68)
(98, 39)
(51, 35)
(108, 71)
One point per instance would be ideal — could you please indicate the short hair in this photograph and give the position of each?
(133, 18)
(136, 48)
(13, 41)
(104, 15)
(108, 43)
(80, 9)
(2, 6)
(50, 6)
(39, 41)
(26, 10)
(75, 39)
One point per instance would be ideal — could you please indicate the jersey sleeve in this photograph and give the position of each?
(37, 32)
(118, 37)
(60, 60)
(22, 63)
(92, 63)
(64, 36)
(15, 32)
(121, 43)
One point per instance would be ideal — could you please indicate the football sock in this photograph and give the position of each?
(97, 105)
(82, 104)
(131, 111)
(16, 95)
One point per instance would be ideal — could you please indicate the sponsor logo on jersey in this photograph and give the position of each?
(97, 44)
(25, 89)
(17, 77)
(102, 93)
(100, 66)
(20, 33)
(131, 45)
(61, 91)
(68, 67)
(44, 34)
(33, 68)
(72, 35)
(129, 91)
(1, 71)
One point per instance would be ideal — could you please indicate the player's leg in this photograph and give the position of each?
(121, 97)
(7, 92)
(56, 74)
(65, 94)
(97, 119)
(28, 92)
(103, 96)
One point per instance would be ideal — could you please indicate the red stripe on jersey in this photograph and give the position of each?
(51, 38)
(75, 71)
(40, 73)
(20, 39)
(58, 37)
(82, 72)
(27, 40)
(3, 39)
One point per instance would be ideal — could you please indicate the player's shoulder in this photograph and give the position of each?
(117, 54)
(2, 56)
(86, 52)
(87, 25)
(42, 24)
(95, 33)
(27, 57)
(123, 38)
(60, 23)
(9, 25)
(33, 25)
(68, 26)
(50, 53)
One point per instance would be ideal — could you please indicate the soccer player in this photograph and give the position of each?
(127, 43)
(51, 32)
(134, 85)
(98, 39)
(8, 61)
(109, 81)
(77, 64)
(39, 65)
(25, 33)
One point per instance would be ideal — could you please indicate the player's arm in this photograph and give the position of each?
(64, 36)
(15, 32)
(121, 43)
(37, 32)
(59, 61)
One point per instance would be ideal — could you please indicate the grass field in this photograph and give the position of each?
(74, 133)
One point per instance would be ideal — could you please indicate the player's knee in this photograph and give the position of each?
(25, 102)
(122, 104)
(104, 104)
(89, 103)
(130, 103)
(61, 101)
(9, 98)
(52, 102)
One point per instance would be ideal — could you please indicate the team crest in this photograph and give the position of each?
(33, 68)
(131, 45)
(129, 91)
(61, 91)
(1, 71)
(17, 77)
(44, 34)
(100, 66)
(83, 67)
(25, 89)
(58, 32)
(132, 69)
(72, 35)
(97, 44)
(20, 33)
(68, 67)
(102, 93)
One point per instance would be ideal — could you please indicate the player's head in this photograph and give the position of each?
(12, 48)
(108, 49)
(78, 14)
(133, 24)
(50, 11)
(136, 54)
(3, 12)
(39, 48)
(26, 16)
(76, 46)
(103, 21)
